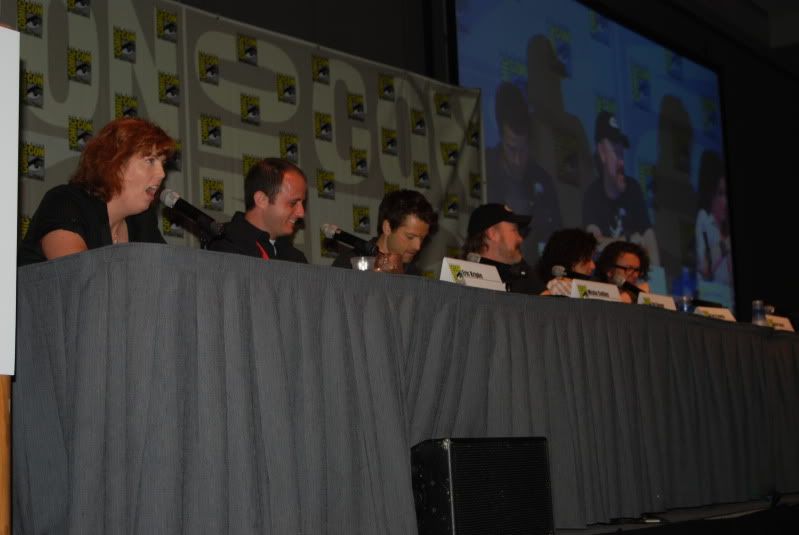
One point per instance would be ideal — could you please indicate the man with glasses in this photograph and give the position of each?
(613, 205)
(624, 262)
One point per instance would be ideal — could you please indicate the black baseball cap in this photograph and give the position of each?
(608, 127)
(488, 215)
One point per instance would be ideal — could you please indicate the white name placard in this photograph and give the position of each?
(715, 313)
(656, 300)
(594, 290)
(779, 323)
(9, 169)
(471, 274)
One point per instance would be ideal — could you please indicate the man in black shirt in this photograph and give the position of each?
(405, 218)
(613, 205)
(494, 236)
(274, 197)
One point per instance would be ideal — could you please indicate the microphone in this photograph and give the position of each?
(473, 257)
(621, 282)
(208, 224)
(559, 271)
(332, 232)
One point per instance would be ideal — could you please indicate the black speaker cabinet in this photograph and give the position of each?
(482, 486)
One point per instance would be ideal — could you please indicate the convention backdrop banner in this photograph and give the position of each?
(232, 94)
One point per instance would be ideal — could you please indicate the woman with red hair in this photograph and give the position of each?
(107, 199)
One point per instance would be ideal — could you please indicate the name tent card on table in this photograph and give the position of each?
(779, 323)
(656, 300)
(582, 289)
(472, 274)
(715, 313)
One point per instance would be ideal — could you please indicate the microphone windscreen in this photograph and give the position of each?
(329, 230)
(169, 197)
(473, 257)
(618, 279)
(558, 271)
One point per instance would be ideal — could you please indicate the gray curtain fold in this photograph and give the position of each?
(169, 390)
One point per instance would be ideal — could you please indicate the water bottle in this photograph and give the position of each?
(759, 313)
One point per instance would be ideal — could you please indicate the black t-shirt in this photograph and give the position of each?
(519, 278)
(241, 237)
(617, 218)
(70, 207)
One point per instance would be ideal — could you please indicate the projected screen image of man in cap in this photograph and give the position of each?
(613, 205)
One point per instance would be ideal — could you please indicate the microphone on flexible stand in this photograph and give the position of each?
(559, 271)
(623, 284)
(206, 223)
(359, 245)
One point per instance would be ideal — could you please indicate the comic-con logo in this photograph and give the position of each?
(561, 40)
(418, 123)
(31, 161)
(286, 87)
(124, 45)
(166, 25)
(213, 194)
(356, 109)
(30, 18)
(388, 141)
(457, 274)
(250, 109)
(325, 246)
(325, 184)
(79, 7)
(605, 103)
(210, 130)
(443, 106)
(24, 225)
(79, 132)
(170, 228)
(359, 164)
(176, 162)
(473, 135)
(360, 219)
(449, 153)
(600, 28)
(289, 147)
(320, 69)
(385, 87)
(390, 187)
(475, 186)
(641, 86)
(79, 65)
(247, 161)
(168, 89)
(247, 50)
(673, 65)
(421, 175)
(323, 126)
(208, 68)
(125, 106)
(451, 206)
(33, 89)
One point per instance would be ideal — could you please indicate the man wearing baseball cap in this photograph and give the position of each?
(613, 205)
(494, 236)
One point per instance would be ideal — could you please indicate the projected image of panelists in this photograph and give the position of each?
(482, 485)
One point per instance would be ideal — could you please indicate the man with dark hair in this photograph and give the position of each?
(613, 205)
(513, 178)
(404, 219)
(493, 235)
(274, 193)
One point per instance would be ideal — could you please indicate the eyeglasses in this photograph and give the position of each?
(628, 269)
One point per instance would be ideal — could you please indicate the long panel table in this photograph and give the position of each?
(170, 390)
